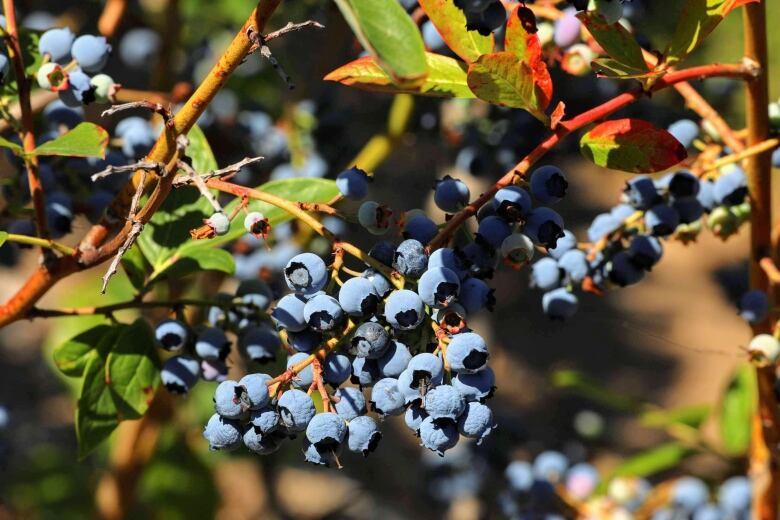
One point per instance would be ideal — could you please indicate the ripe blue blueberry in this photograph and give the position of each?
(326, 430)
(414, 416)
(476, 421)
(734, 495)
(685, 131)
(754, 306)
(493, 231)
(255, 293)
(450, 194)
(179, 374)
(706, 195)
(288, 313)
(512, 203)
(438, 286)
(420, 228)
(171, 335)
(683, 185)
(444, 402)
(449, 258)
(467, 352)
(257, 442)
(353, 183)
(137, 138)
(296, 409)
(383, 251)
(410, 258)
(641, 192)
(139, 47)
(386, 398)
(394, 360)
(91, 52)
(475, 387)
(481, 259)
(323, 313)
(603, 225)
(381, 284)
(623, 271)
(306, 273)
(438, 436)
(222, 433)
(336, 368)
(231, 400)
(365, 371)
(256, 389)
(731, 188)
(304, 341)
(645, 251)
(520, 475)
(575, 264)
(548, 184)
(689, 493)
(305, 377)
(545, 274)
(426, 370)
(375, 217)
(544, 226)
(661, 220)
(364, 435)
(327, 457)
(404, 310)
(357, 297)
(690, 210)
(266, 420)
(56, 43)
(559, 304)
(476, 295)
(212, 343)
(370, 340)
(349, 403)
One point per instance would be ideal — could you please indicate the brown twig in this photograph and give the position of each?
(141, 165)
(198, 181)
(224, 173)
(158, 108)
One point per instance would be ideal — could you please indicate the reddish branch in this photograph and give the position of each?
(564, 128)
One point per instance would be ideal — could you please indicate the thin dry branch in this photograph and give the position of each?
(224, 173)
(158, 108)
(198, 181)
(141, 165)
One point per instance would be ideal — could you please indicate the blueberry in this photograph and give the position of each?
(404, 310)
(257, 224)
(567, 28)
(683, 185)
(467, 352)
(305, 377)
(425, 369)
(476, 421)
(450, 195)
(213, 370)
(414, 416)
(306, 273)
(256, 389)
(645, 251)
(559, 304)
(475, 387)
(734, 495)
(688, 493)
(512, 203)
(179, 374)
(444, 402)
(707, 512)
(296, 409)
(365, 371)
(375, 217)
(641, 192)
(545, 274)
(171, 335)
(520, 475)
(544, 226)
(661, 220)
(265, 420)
(685, 131)
(411, 389)
(212, 343)
(481, 259)
(306, 340)
(550, 466)
(386, 398)
(256, 442)
(381, 284)
(754, 306)
(139, 47)
(394, 360)
(326, 457)
(449, 258)
(326, 430)
(231, 400)
(706, 195)
(370, 340)
(623, 271)
(548, 184)
(56, 43)
(364, 435)
(420, 228)
(323, 313)
(582, 480)
(517, 250)
(438, 436)
(410, 258)
(288, 313)
(104, 88)
(91, 52)
(731, 188)
(137, 139)
(350, 403)
(383, 251)
(622, 212)
(353, 183)
(575, 264)
(336, 368)
(603, 225)
(493, 231)
(476, 295)
(222, 433)
(438, 286)
(357, 297)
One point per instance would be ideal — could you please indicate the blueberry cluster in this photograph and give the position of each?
(72, 67)
(532, 488)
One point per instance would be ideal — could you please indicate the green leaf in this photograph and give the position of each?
(193, 259)
(654, 460)
(591, 389)
(697, 20)
(200, 152)
(135, 266)
(616, 41)
(387, 32)
(96, 412)
(501, 79)
(15, 148)
(133, 367)
(3, 237)
(693, 416)
(450, 21)
(86, 140)
(632, 145)
(72, 356)
(607, 67)
(446, 77)
(736, 409)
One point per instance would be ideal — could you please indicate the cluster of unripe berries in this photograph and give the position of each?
(532, 488)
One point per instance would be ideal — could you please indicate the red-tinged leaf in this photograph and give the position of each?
(501, 79)
(446, 77)
(632, 145)
(522, 40)
(450, 21)
(697, 20)
(557, 115)
(616, 41)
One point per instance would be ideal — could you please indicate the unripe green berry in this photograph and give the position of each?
(105, 88)
(50, 76)
(764, 349)
(219, 222)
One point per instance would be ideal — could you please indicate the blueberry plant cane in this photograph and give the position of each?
(384, 332)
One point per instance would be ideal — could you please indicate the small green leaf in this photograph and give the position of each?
(135, 266)
(591, 389)
(736, 410)
(200, 152)
(607, 67)
(697, 20)
(86, 140)
(693, 416)
(450, 21)
(632, 145)
(387, 32)
(96, 413)
(616, 41)
(501, 79)
(72, 356)
(194, 259)
(133, 367)
(15, 148)
(446, 77)
(654, 460)
(3, 237)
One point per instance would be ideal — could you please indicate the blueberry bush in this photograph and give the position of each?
(249, 280)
